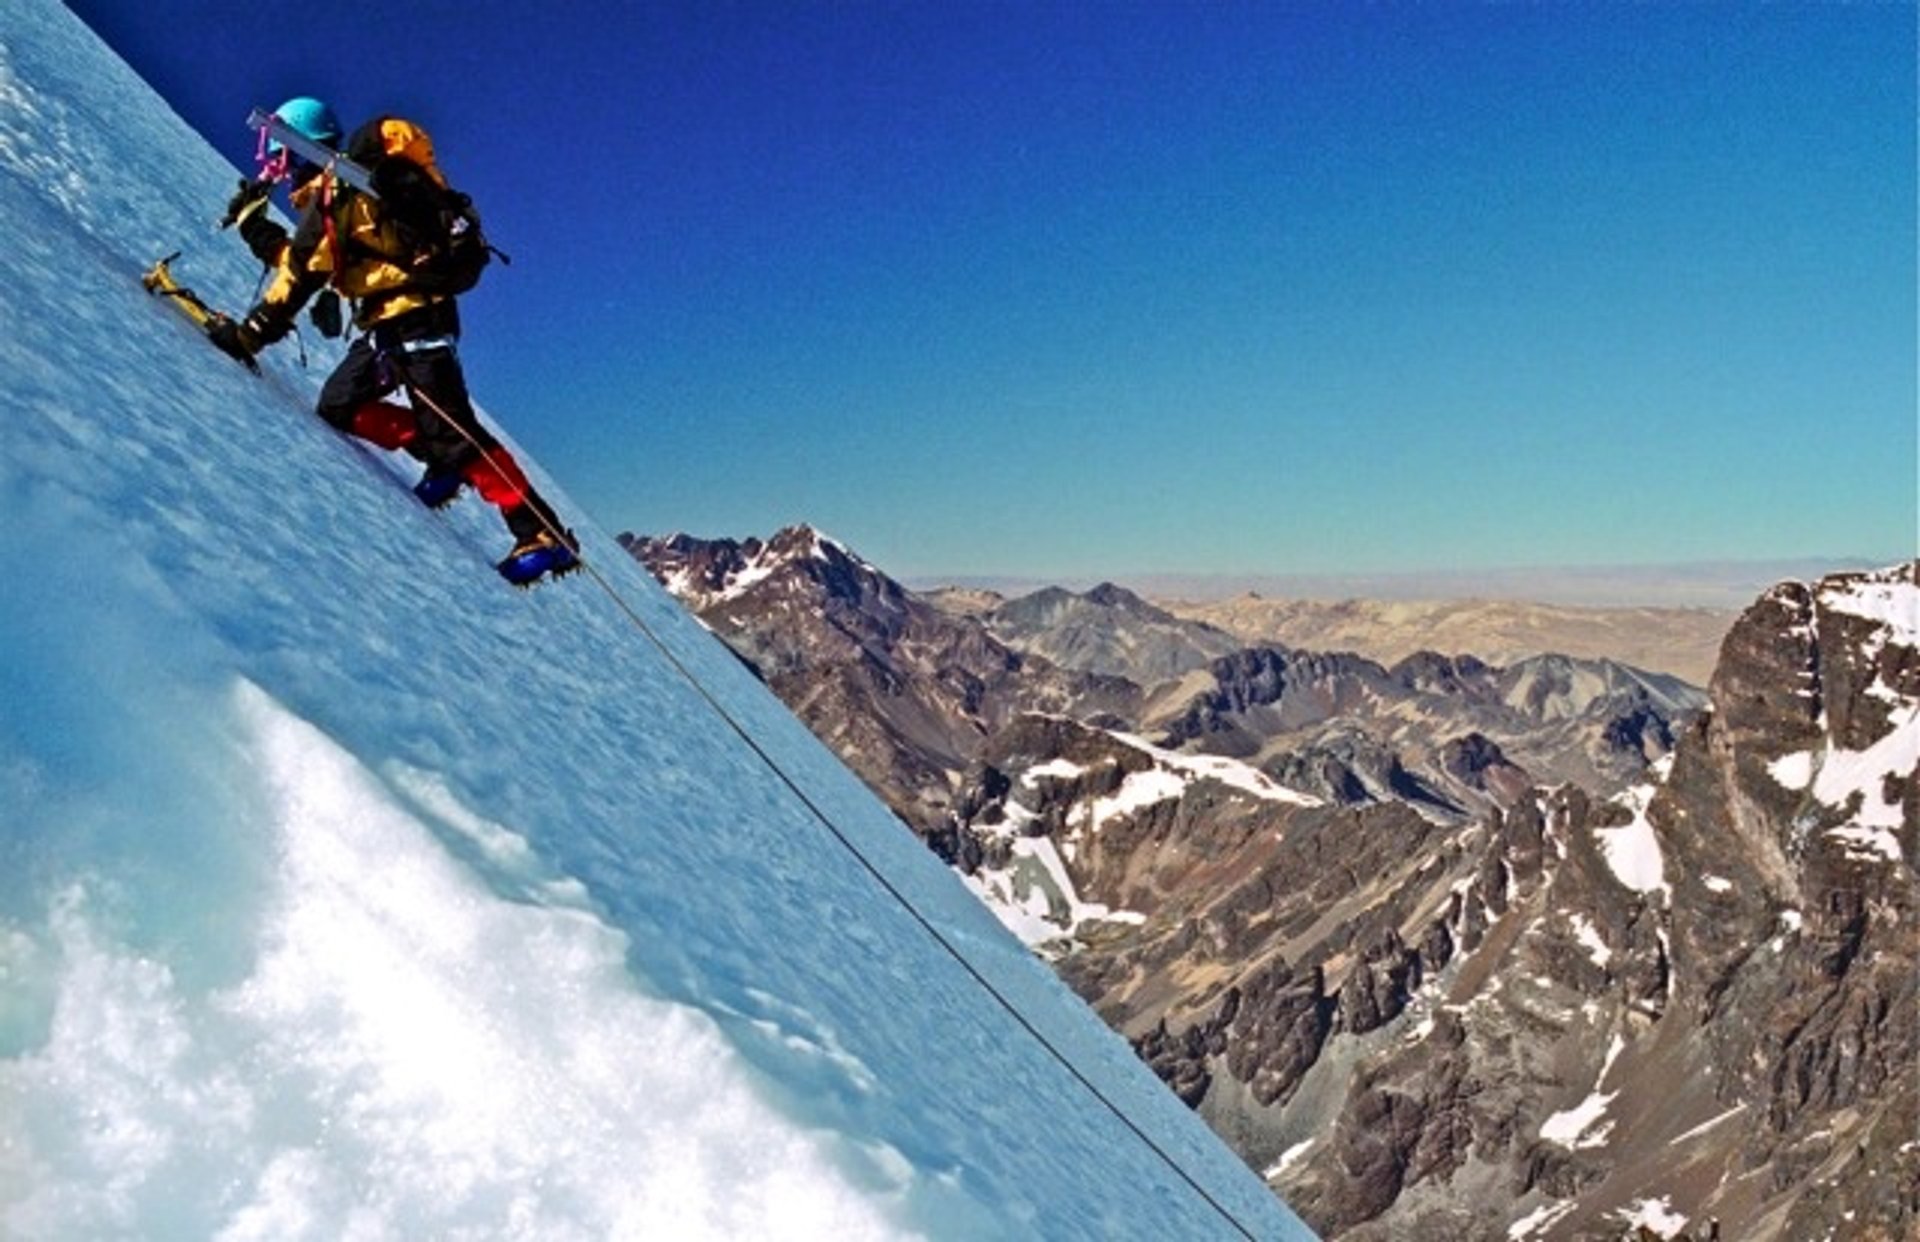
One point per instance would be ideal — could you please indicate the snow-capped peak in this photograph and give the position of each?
(1890, 597)
(706, 573)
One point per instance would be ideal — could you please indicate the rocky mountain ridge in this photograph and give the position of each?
(1689, 1008)
(1433, 991)
(909, 692)
(1107, 630)
(903, 692)
(1442, 726)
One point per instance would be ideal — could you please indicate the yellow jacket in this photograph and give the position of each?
(343, 241)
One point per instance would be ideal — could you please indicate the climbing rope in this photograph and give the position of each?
(826, 821)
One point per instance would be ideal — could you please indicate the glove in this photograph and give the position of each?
(264, 237)
(236, 340)
(247, 200)
(248, 209)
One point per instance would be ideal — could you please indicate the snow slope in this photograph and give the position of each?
(345, 892)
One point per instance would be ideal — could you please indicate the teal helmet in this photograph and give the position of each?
(307, 115)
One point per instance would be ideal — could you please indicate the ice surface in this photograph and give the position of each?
(346, 892)
(405, 1046)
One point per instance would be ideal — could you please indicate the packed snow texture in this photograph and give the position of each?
(345, 892)
(1581, 1125)
(1883, 598)
(1591, 940)
(1034, 896)
(1229, 772)
(1857, 781)
(1543, 1217)
(1632, 850)
(1654, 1215)
(1036, 899)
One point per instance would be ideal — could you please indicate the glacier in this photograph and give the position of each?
(347, 893)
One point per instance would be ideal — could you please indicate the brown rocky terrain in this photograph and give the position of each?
(903, 692)
(1429, 983)
(1681, 641)
(1690, 1008)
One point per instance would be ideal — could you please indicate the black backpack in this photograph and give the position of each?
(438, 227)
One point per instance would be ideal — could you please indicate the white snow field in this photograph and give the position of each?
(346, 893)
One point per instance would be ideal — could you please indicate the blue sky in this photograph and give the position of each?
(1078, 290)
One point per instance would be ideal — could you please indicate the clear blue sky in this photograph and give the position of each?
(1080, 289)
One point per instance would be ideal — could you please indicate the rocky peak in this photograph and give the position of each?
(833, 567)
(1451, 949)
(1108, 631)
(1553, 687)
(1700, 994)
(694, 570)
(1110, 595)
(902, 690)
(1871, 621)
(1433, 673)
(709, 573)
(1817, 714)
(1697, 996)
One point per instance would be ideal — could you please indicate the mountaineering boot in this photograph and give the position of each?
(539, 554)
(437, 489)
(546, 539)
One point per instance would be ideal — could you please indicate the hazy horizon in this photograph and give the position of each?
(1719, 585)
